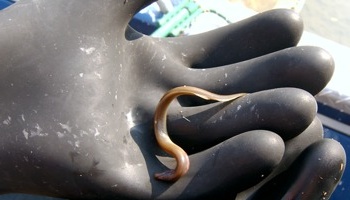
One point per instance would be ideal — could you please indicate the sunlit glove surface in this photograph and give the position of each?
(79, 89)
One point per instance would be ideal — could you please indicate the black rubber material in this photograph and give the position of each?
(79, 88)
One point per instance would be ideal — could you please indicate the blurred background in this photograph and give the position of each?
(329, 19)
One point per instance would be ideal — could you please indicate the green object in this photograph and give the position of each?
(169, 15)
(173, 22)
(185, 23)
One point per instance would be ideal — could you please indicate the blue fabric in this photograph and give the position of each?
(5, 3)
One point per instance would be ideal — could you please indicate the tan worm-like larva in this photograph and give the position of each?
(160, 127)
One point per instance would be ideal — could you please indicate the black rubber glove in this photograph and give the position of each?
(79, 88)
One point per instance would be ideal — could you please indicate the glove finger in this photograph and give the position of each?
(229, 166)
(249, 38)
(285, 111)
(314, 175)
(308, 68)
(293, 148)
